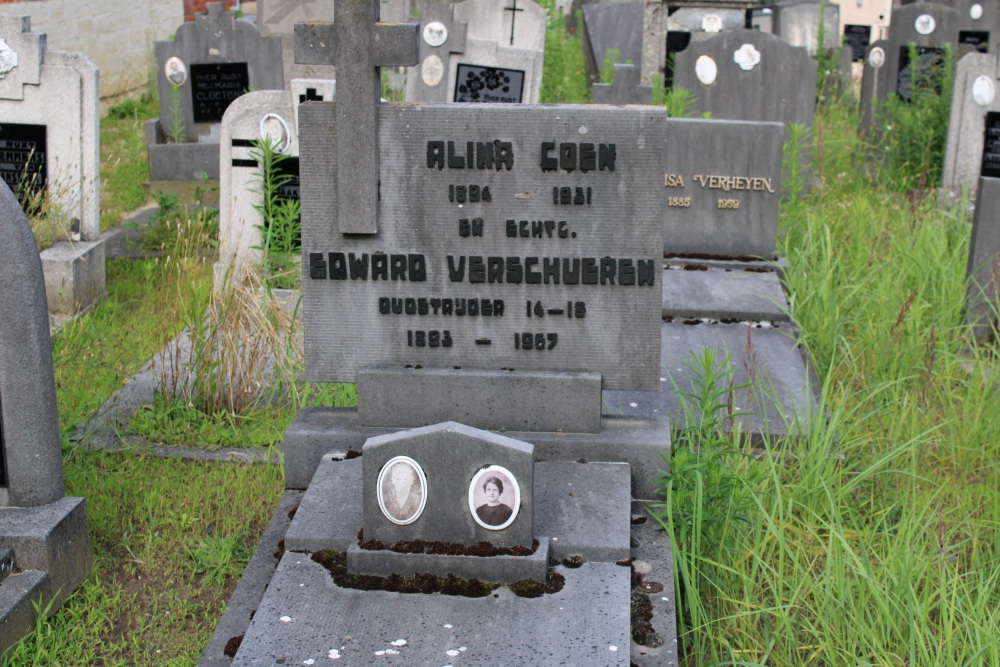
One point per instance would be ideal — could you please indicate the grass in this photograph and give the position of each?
(124, 160)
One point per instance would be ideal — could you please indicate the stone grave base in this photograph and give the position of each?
(180, 162)
(723, 291)
(74, 276)
(51, 558)
(784, 395)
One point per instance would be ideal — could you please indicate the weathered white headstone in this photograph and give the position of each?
(974, 94)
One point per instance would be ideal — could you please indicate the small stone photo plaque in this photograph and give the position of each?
(214, 87)
(494, 498)
(991, 146)
(402, 490)
(176, 71)
(488, 84)
(23, 158)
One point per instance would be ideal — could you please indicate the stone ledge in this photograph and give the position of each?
(74, 275)
(18, 593)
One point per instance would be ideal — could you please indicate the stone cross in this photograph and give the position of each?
(358, 45)
(513, 9)
(20, 56)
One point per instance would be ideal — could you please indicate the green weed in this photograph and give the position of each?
(564, 80)
(219, 557)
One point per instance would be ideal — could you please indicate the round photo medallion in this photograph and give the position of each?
(747, 57)
(925, 24)
(175, 70)
(983, 90)
(706, 70)
(494, 497)
(976, 12)
(432, 70)
(274, 128)
(876, 57)
(402, 490)
(435, 33)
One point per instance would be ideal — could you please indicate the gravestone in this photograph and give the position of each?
(265, 113)
(54, 148)
(492, 283)
(504, 52)
(440, 37)
(984, 248)
(862, 23)
(606, 26)
(668, 29)
(211, 62)
(978, 23)
(45, 531)
(974, 94)
(624, 89)
(888, 70)
(798, 23)
(749, 75)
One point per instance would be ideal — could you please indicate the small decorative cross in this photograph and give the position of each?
(358, 45)
(310, 96)
(513, 15)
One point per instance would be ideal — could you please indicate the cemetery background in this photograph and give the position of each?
(874, 538)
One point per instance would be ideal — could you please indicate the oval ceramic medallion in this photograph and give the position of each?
(711, 23)
(175, 70)
(432, 70)
(747, 57)
(925, 24)
(976, 12)
(706, 70)
(274, 128)
(876, 57)
(435, 33)
(983, 90)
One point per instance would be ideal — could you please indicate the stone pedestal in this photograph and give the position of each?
(74, 275)
(186, 161)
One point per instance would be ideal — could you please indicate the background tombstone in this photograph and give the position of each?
(209, 63)
(440, 37)
(749, 75)
(614, 25)
(49, 118)
(798, 23)
(668, 29)
(506, 35)
(624, 89)
(863, 22)
(984, 248)
(974, 94)
(978, 23)
(46, 530)
(927, 26)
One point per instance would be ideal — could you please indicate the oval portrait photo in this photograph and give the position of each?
(494, 498)
(402, 490)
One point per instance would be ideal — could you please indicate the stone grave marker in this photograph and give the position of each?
(45, 530)
(440, 37)
(504, 52)
(798, 23)
(749, 75)
(492, 283)
(974, 94)
(606, 26)
(977, 23)
(984, 248)
(888, 70)
(211, 62)
(862, 23)
(54, 148)
(668, 29)
(624, 89)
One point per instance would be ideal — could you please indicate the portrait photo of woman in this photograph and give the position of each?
(494, 498)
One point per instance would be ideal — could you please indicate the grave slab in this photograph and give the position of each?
(325, 620)
(482, 398)
(18, 593)
(723, 294)
(592, 522)
(633, 439)
(652, 558)
(781, 406)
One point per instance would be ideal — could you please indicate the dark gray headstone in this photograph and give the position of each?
(978, 23)
(757, 76)
(428, 484)
(609, 26)
(213, 60)
(474, 295)
(30, 423)
(984, 253)
(722, 188)
(625, 89)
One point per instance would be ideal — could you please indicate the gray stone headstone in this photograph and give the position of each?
(984, 259)
(978, 23)
(218, 58)
(440, 37)
(749, 75)
(625, 89)
(664, 23)
(455, 279)
(427, 484)
(798, 23)
(609, 26)
(927, 26)
(723, 183)
(973, 95)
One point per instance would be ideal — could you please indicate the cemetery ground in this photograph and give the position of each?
(873, 540)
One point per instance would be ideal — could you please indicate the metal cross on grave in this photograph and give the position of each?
(358, 45)
(513, 9)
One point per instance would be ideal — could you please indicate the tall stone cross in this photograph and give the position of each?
(358, 45)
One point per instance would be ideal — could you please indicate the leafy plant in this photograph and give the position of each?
(611, 56)
(219, 557)
(177, 132)
(679, 102)
(280, 232)
(563, 80)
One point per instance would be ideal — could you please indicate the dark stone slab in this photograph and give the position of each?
(499, 629)
(984, 265)
(723, 294)
(638, 441)
(329, 516)
(614, 25)
(780, 86)
(179, 162)
(781, 402)
(723, 184)
(499, 569)
(487, 399)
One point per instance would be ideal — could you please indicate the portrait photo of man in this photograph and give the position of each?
(402, 490)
